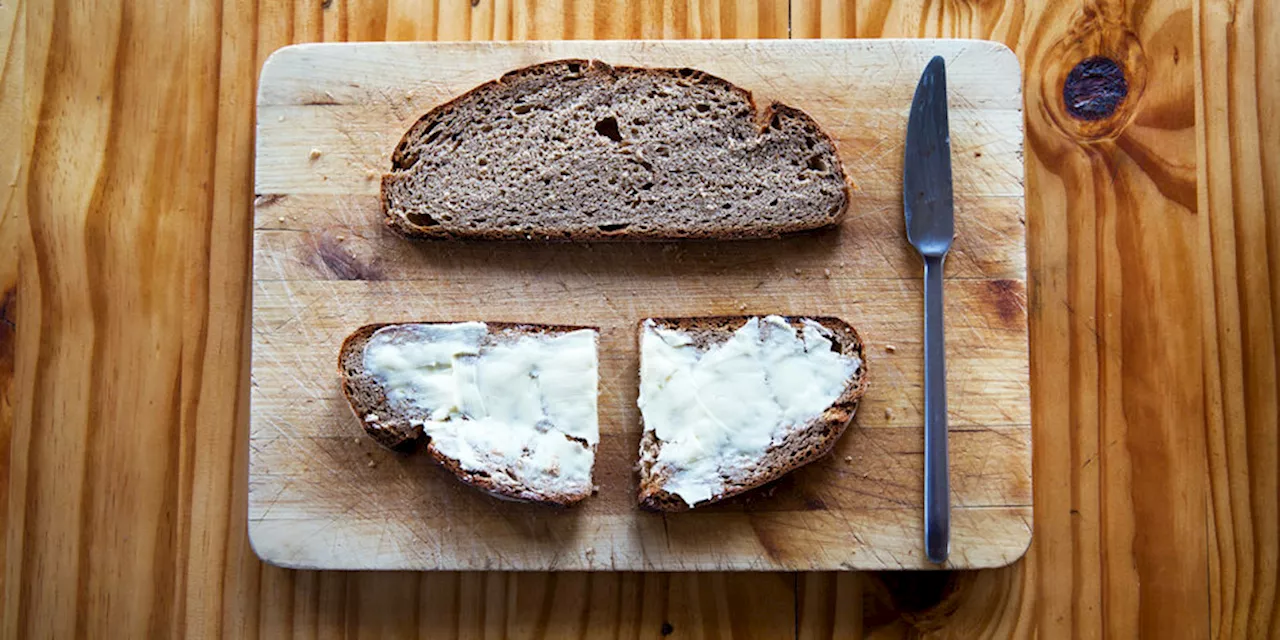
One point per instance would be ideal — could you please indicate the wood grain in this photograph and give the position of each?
(1238, 80)
(218, 588)
(320, 497)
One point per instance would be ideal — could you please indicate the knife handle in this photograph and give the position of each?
(937, 492)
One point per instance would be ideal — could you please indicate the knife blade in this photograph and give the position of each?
(929, 209)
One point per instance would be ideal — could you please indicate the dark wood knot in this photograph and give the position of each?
(1095, 88)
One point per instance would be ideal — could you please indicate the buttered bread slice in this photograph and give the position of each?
(508, 408)
(730, 403)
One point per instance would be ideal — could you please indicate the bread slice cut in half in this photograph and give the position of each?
(508, 408)
(581, 150)
(732, 402)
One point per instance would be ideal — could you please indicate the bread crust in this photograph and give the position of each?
(819, 436)
(365, 397)
(402, 161)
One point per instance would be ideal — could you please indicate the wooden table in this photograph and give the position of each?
(1154, 306)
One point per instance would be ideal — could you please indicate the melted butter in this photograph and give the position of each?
(717, 411)
(526, 403)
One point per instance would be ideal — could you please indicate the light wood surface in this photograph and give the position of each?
(321, 496)
(90, 477)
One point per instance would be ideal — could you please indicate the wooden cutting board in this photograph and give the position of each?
(323, 495)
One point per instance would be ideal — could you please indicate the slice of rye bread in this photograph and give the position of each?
(581, 150)
(815, 440)
(393, 430)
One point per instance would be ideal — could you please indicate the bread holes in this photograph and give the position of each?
(817, 163)
(421, 219)
(521, 109)
(608, 127)
(613, 228)
(774, 203)
(646, 186)
(702, 108)
(575, 67)
(775, 122)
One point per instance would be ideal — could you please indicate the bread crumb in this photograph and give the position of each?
(280, 119)
(888, 413)
(848, 459)
(826, 273)
(372, 464)
(742, 307)
(341, 238)
(841, 265)
(890, 348)
(370, 175)
(373, 417)
(280, 219)
(315, 154)
(797, 270)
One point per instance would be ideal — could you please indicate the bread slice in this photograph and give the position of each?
(712, 457)
(549, 462)
(581, 150)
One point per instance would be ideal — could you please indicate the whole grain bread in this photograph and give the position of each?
(811, 442)
(581, 150)
(393, 429)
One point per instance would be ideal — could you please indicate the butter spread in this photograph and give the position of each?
(525, 403)
(718, 410)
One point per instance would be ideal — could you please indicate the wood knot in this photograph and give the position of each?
(1093, 79)
(1009, 300)
(327, 254)
(1094, 88)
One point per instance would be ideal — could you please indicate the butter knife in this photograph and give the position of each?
(927, 204)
